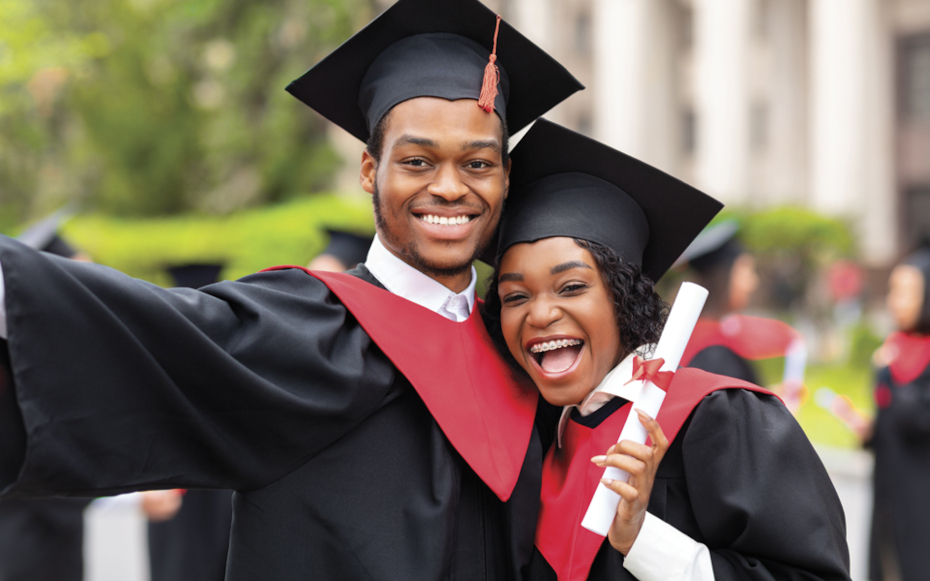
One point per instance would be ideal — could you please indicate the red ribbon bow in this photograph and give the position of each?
(649, 371)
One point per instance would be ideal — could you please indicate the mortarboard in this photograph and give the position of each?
(194, 275)
(44, 236)
(349, 248)
(432, 48)
(566, 184)
(716, 245)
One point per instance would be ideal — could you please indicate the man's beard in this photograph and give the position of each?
(411, 251)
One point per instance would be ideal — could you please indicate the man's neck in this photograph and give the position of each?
(454, 282)
(405, 280)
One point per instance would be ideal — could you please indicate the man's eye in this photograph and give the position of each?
(478, 164)
(415, 162)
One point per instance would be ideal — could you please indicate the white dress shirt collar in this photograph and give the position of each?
(615, 384)
(406, 281)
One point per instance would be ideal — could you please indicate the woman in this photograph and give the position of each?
(901, 432)
(734, 490)
(724, 341)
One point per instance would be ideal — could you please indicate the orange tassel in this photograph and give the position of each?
(492, 76)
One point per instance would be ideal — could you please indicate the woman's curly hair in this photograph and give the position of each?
(640, 312)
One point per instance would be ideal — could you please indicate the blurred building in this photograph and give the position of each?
(822, 103)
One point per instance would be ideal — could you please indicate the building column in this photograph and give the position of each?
(722, 107)
(534, 19)
(786, 176)
(852, 120)
(635, 96)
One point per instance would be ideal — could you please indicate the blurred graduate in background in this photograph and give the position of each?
(725, 341)
(900, 435)
(344, 251)
(42, 539)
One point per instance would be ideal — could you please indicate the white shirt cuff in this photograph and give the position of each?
(663, 553)
(3, 333)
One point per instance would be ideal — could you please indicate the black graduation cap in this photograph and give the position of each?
(566, 184)
(194, 275)
(432, 48)
(44, 236)
(716, 245)
(348, 247)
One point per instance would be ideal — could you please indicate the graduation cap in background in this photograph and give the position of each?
(349, 248)
(565, 184)
(44, 236)
(194, 275)
(716, 246)
(434, 48)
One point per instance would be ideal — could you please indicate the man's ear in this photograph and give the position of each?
(368, 172)
(507, 178)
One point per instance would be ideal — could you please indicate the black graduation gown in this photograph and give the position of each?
(267, 386)
(722, 360)
(742, 478)
(40, 539)
(193, 545)
(901, 509)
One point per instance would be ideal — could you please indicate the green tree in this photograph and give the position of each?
(163, 106)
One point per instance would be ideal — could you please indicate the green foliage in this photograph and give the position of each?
(863, 344)
(244, 242)
(141, 107)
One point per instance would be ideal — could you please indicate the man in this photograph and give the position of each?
(367, 438)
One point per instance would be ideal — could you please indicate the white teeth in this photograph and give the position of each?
(445, 220)
(551, 345)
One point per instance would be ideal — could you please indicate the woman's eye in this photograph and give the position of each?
(513, 299)
(573, 287)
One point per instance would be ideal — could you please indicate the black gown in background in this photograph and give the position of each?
(267, 386)
(742, 478)
(722, 360)
(901, 509)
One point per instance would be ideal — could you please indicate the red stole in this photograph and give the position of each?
(570, 479)
(910, 356)
(470, 391)
(749, 337)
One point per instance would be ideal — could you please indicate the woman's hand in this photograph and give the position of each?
(641, 462)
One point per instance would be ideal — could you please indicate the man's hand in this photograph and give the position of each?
(641, 462)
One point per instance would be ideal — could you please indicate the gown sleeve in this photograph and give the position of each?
(122, 385)
(762, 499)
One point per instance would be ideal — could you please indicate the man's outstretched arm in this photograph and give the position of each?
(123, 385)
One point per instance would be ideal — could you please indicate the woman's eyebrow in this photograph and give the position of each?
(510, 277)
(568, 266)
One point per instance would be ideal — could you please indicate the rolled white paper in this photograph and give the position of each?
(681, 321)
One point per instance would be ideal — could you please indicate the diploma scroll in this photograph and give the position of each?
(681, 321)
